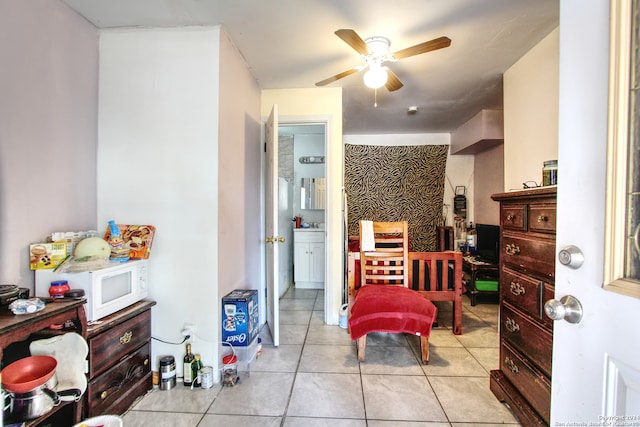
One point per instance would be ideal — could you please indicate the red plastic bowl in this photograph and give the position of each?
(28, 373)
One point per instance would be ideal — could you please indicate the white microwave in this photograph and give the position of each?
(107, 290)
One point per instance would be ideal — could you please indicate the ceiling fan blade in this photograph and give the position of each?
(393, 82)
(352, 38)
(337, 76)
(425, 47)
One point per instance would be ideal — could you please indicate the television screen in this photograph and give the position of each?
(488, 242)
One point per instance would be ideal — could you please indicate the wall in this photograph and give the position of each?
(239, 151)
(531, 113)
(488, 179)
(307, 145)
(318, 105)
(162, 145)
(48, 126)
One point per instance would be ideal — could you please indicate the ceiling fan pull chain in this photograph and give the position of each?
(375, 98)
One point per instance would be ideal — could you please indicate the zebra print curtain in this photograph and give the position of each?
(397, 183)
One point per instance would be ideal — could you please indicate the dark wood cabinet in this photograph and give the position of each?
(527, 276)
(18, 328)
(119, 360)
(119, 355)
(474, 269)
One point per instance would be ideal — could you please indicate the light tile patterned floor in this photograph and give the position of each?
(313, 378)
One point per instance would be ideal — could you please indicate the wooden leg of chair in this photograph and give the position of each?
(424, 349)
(457, 317)
(362, 343)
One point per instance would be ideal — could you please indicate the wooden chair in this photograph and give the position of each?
(390, 257)
(384, 302)
(437, 276)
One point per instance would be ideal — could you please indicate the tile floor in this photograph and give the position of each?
(314, 379)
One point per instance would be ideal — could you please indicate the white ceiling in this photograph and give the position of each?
(291, 44)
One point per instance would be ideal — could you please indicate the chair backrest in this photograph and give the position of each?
(436, 272)
(387, 264)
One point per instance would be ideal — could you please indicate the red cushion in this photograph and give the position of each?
(381, 308)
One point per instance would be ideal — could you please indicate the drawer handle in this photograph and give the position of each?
(510, 217)
(511, 365)
(543, 218)
(511, 325)
(126, 338)
(512, 249)
(134, 371)
(517, 289)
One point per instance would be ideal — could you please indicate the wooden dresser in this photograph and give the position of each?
(527, 276)
(119, 360)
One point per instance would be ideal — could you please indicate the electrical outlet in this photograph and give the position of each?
(188, 329)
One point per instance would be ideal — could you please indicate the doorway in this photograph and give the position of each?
(302, 174)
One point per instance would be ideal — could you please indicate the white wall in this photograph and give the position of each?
(158, 156)
(531, 113)
(319, 105)
(48, 126)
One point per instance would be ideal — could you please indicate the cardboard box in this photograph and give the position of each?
(47, 255)
(240, 317)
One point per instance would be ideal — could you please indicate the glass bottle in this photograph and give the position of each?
(196, 366)
(187, 376)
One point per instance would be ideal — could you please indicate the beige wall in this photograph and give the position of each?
(321, 105)
(531, 113)
(488, 179)
(239, 153)
(48, 127)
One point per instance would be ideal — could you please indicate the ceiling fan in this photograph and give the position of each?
(375, 51)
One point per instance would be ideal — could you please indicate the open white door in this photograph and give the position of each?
(596, 361)
(271, 227)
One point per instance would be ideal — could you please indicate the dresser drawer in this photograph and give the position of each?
(107, 389)
(306, 236)
(530, 382)
(542, 218)
(528, 336)
(113, 344)
(522, 291)
(533, 254)
(513, 217)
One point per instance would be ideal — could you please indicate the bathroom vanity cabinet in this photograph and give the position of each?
(308, 258)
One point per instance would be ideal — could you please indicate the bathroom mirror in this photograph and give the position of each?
(312, 192)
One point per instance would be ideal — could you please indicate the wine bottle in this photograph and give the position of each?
(196, 366)
(187, 376)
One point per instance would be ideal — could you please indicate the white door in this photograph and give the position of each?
(271, 227)
(596, 362)
(285, 231)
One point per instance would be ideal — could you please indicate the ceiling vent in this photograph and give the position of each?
(485, 130)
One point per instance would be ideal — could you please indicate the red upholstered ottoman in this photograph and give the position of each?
(396, 309)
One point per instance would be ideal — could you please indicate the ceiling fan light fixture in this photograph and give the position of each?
(376, 76)
(378, 46)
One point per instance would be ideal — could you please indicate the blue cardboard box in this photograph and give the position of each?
(240, 317)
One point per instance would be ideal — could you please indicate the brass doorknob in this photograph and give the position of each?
(268, 239)
(281, 239)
